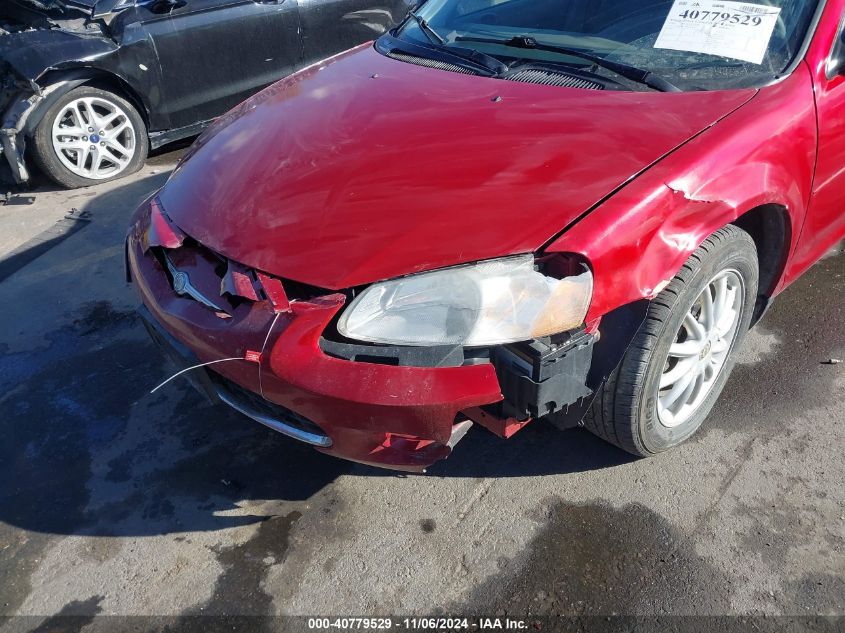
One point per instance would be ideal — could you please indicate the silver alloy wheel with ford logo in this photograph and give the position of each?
(88, 136)
(94, 138)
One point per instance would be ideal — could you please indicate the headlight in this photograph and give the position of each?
(492, 302)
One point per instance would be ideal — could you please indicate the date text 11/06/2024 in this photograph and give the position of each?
(454, 624)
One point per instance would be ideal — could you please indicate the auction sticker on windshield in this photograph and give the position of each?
(738, 30)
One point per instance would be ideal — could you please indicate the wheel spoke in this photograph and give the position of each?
(677, 390)
(708, 309)
(720, 346)
(83, 114)
(71, 131)
(691, 389)
(107, 120)
(94, 119)
(96, 161)
(117, 160)
(120, 147)
(686, 349)
(720, 299)
(118, 129)
(673, 375)
(725, 324)
(693, 327)
(75, 114)
(71, 143)
(82, 158)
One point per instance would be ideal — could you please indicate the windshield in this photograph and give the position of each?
(694, 44)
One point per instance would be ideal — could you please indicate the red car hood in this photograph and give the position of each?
(365, 167)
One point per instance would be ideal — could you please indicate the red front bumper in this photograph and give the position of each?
(390, 416)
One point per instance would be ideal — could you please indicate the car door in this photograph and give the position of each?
(332, 26)
(215, 53)
(825, 221)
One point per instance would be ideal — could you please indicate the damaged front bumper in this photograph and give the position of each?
(18, 98)
(20, 101)
(273, 363)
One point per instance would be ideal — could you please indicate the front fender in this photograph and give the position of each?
(32, 53)
(21, 117)
(762, 154)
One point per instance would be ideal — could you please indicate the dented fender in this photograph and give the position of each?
(21, 117)
(638, 239)
(43, 64)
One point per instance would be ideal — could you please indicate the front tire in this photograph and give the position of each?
(678, 363)
(89, 136)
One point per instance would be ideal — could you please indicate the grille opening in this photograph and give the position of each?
(296, 290)
(219, 264)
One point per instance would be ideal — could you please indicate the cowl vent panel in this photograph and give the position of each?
(551, 78)
(430, 63)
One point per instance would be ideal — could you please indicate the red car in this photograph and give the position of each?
(500, 211)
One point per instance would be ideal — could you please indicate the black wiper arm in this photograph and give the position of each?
(477, 60)
(645, 77)
(429, 32)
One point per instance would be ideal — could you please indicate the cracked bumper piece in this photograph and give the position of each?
(15, 110)
(399, 417)
(269, 362)
(405, 418)
(20, 100)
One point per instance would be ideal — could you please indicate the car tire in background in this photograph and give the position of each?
(679, 361)
(90, 136)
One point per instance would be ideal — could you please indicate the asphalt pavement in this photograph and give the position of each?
(116, 501)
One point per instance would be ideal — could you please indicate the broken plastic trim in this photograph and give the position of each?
(238, 281)
(252, 285)
(12, 124)
(538, 378)
(16, 125)
(161, 230)
(617, 331)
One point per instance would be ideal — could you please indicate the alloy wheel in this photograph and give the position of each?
(94, 138)
(700, 349)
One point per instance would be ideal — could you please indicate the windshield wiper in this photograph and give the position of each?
(433, 36)
(645, 77)
(477, 60)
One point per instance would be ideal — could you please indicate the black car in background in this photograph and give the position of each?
(87, 87)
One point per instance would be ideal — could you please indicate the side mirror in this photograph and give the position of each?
(836, 62)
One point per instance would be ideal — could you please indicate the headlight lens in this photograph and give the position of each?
(488, 303)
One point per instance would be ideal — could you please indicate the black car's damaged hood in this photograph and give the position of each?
(46, 5)
(89, 7)
(32, 53)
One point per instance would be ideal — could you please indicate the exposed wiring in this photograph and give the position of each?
(225, 360)
(179, 373)
(263, 347)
